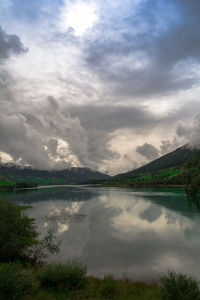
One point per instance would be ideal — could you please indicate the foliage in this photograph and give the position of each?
(19, 237)
(70, 275)
(11, 185)
(109, 289)
(14, 282)
(94, 289)
(40, 250)
(191, 179)
(169, 176)
(165, 170)
(17, 232)
(176, 286)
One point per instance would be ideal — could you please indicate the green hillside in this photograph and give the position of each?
(164, 170)
(14, 176)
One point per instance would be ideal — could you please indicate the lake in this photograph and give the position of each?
(127, 232)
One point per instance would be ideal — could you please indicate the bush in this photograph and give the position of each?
(17, 232)
(191, 180)
(70, 275)
(176, 286)
(19, 237)
(109, 288)
(14, 282)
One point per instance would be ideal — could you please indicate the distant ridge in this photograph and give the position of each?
(166, 167)
(13, 173)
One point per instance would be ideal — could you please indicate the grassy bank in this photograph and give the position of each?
(107, 288)
(165, 177)
(69, 281)
(6, 185)
(180, 186)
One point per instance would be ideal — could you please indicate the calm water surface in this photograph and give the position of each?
(135, 233)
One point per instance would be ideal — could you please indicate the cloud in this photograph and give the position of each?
(62, 136)
(103, 125)
(10, 44)
(33, 138)
(30, 11)
(19, 142)
(190, 132)
(110, 118)
(49, 137)
(140, 55)
(148, 151)
(93, 100)
(168, 146)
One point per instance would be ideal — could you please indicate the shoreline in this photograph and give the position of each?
(146, 185)
(94, 185)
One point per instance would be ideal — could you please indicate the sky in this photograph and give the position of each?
(108, 85)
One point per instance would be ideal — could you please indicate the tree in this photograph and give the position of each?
(19, 239)
(191, 180)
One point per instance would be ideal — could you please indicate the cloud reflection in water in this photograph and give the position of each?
(126, 232)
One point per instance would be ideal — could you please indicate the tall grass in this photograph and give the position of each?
(176, 286)
(15, 281)
(70, 276)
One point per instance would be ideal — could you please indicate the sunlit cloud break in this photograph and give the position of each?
(79, 16)
(108, 85)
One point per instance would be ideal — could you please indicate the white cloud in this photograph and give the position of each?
(120, 79)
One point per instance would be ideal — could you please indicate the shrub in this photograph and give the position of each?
(14, 282)
(191, 180)
(176, 286)
(70, 275)
(19, 237)
(40, 250)
(17, 232)
(109, 288)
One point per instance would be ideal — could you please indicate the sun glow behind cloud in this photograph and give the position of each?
(79, 16)
(118, 75)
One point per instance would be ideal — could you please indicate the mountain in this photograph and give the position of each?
(11, 174)
(164, 170)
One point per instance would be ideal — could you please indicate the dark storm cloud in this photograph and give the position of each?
(6, 94)
(10, 44)
(88, 129)
(31, 138)
(158, 46)
(19, 141)
(133, 52)
(148, 151)
(100, 123)
(27, 136)
(110, 118)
